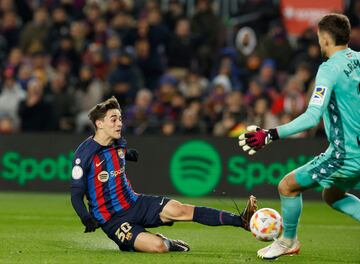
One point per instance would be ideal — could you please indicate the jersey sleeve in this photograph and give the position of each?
(324, 84)
(78, 186)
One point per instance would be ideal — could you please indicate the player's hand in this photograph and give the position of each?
(256, 138)
(132, 155)
(90, 224)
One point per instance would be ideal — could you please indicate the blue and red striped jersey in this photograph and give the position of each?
(100, 172)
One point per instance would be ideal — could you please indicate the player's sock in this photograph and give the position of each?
(349, 205)
(291, 209)
(214, 217)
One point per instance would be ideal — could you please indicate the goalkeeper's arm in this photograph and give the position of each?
(303, 122)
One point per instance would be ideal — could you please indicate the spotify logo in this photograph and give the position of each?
(195, 168)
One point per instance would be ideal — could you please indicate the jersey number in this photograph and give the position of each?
(122, 233)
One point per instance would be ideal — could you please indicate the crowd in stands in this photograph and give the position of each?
(172, 73)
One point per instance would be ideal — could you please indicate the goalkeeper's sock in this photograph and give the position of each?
(291, 209)
(349, 205)
(214, 217)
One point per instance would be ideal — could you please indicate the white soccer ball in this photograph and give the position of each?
(266, 224)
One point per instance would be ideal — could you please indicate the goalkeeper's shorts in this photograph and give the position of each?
(330, 169)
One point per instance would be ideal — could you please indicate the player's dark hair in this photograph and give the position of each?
(99, 111)
(338, 26)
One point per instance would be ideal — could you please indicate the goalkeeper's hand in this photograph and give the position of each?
(132, 155)
(256, 138)
(90, 224)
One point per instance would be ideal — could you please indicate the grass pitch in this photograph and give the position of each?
(43, 228)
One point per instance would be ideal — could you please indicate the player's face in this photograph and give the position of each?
(112, 124)
(322, 43)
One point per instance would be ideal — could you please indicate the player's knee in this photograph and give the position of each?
(283, 188)
(183, 211)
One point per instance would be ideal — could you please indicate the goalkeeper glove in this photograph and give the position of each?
(90, 224)
(256, 138)
(132, 155)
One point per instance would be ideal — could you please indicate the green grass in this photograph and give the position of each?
(43, 228)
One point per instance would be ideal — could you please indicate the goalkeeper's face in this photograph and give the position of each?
(111, 124)
(323, 43)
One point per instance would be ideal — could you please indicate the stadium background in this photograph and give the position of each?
(181, 70)
(190, 76)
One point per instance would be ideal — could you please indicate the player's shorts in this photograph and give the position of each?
(123, 228)
(330, 169)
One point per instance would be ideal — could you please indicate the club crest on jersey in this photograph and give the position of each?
(318, 96)
(121, 153)
(103, 176)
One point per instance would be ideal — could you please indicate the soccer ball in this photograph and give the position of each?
(266, 224)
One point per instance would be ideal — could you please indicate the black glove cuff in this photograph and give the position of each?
(132, 155)
(273, 134)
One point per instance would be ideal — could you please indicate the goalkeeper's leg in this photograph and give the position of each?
(343, 202)
(291, 206)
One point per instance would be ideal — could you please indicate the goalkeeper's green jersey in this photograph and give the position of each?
(336, 98)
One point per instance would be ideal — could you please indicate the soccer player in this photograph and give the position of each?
(336, 98)
(99, 174)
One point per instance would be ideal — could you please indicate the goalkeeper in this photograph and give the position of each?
(336, 98)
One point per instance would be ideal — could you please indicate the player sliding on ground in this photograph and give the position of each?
(99, 173)
(336, 98)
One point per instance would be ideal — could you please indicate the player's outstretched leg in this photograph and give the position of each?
(174, 245)
(214, 217)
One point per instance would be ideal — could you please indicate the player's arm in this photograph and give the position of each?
(78, 187)
(257, 137)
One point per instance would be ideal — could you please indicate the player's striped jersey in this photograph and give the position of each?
(100, 172)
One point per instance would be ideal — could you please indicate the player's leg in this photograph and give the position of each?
(343, 202)
(176, 211)
(290, 189)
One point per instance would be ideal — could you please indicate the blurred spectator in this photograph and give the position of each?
(78, 32)
(191, 124)
(24, 76)
(11, 94)
(42, 69)
(34, 35)
(6, 125)
(180, 50)
(173, 14)
(276, 46)
(10, 28)
(14, 60)
(206, 27)
(262, 116)
(60, 27)
(125, 79)
(62, 101)
(139, 117)
(194, 85)
(66, 51)
(148, 63)
(88, 92)
(35, 113)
